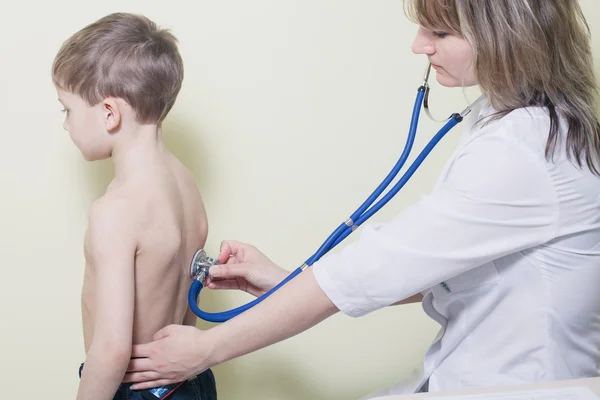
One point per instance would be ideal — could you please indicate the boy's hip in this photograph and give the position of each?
(199, 387)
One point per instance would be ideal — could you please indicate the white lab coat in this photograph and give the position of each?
(505, 250)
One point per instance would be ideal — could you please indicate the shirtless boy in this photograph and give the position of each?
(117, 79)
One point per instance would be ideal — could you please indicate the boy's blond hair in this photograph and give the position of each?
(126, 56)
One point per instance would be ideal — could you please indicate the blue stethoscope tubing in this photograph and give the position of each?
(362, 214)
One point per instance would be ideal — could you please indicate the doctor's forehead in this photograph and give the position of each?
(434, 14)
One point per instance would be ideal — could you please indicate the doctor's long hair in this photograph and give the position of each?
(528, 53)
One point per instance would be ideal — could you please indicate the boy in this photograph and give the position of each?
(117, 79)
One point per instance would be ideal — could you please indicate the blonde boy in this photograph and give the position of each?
(117, 79)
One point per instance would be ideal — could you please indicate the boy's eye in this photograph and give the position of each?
(439, 35)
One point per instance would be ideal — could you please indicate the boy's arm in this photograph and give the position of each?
(112, 249)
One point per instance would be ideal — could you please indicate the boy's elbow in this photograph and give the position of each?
(113, 352)
(121, 355)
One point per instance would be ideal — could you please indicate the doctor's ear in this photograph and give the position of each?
(111, 113)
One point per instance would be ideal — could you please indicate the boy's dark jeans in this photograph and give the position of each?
(199, 387)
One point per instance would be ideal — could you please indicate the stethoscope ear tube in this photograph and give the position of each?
(201, 263)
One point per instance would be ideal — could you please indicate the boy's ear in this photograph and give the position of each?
(111, 113)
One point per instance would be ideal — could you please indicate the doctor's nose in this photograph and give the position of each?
(423, 43)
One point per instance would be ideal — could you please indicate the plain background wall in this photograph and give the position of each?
(290, 113)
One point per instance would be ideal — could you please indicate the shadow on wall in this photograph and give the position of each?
(185, 142)
(180, 138)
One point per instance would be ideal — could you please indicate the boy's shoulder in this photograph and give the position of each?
(113, 203)
(112, 214)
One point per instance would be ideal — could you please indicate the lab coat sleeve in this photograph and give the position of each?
(496, 199)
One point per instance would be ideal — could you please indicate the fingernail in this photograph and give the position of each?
(214, 271)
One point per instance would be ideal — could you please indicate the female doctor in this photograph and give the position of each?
(504, 253)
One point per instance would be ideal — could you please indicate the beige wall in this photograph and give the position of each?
(291, 112)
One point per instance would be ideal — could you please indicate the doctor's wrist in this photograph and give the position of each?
(212, 348)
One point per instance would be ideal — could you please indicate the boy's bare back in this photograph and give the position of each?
(156, 219)
(117, 79)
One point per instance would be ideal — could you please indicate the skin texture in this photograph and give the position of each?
(141, 236)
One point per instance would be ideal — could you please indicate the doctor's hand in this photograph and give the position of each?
(242, 266)
(177, 353)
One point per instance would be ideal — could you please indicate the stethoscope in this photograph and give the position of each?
(201, 263)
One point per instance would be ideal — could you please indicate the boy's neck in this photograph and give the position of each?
(137, 150)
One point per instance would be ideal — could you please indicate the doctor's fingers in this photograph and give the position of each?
(144, 371)
(236, 284)
(142, 350)
(152, 384)
(141, 377)
(229, 248)
(144, 365)
(228, 271)
(223, 284)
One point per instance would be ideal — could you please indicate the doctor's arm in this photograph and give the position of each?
(243, 267)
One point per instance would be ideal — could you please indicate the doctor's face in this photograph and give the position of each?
(450, 55)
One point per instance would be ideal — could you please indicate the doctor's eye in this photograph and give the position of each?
(439, 35)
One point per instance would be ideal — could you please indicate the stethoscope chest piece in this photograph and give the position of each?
(200, 265)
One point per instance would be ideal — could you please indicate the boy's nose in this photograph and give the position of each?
(423, 43)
